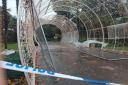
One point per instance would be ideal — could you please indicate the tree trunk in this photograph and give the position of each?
(5, 21)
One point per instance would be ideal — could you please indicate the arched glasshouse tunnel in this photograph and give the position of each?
(92, 39)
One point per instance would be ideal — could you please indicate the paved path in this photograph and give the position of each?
(69, 60)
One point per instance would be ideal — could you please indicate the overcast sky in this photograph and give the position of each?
(12, 5)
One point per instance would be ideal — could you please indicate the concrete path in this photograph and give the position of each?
(68, 59)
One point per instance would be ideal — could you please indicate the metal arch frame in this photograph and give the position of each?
(67, 18)
(79, 18)
(92, 12)
(22, 17)
(108, 12)
(66, 31)
(56, 1)
(66, 10)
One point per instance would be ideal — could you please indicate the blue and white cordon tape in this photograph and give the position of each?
(17, 67)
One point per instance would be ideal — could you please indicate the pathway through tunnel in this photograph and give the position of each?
(52, 33)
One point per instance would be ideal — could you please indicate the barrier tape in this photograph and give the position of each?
(18, 67)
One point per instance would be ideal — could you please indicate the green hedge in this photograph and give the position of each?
(14, 58)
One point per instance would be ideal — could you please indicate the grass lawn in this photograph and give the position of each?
(12, 46)
(118, 48)
(122, 48)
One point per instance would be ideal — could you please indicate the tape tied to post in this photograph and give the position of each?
(18, 67)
